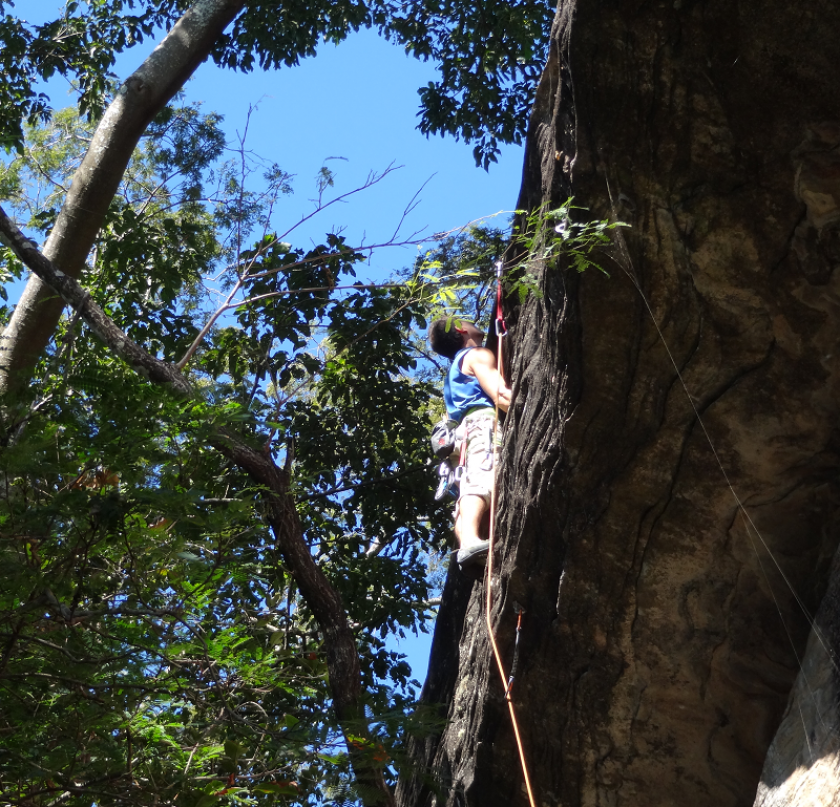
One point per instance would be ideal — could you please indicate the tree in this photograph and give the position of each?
(142, 592)
(78, 512)
(96, 180)
(665, 612)
(259, 35)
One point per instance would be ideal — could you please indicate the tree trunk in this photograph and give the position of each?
(141, 97)
(660, 638)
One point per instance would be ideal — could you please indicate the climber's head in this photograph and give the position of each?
(449, 335)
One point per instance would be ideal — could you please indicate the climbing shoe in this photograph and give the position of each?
(474, 554)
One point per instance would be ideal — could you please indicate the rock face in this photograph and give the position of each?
(802, 768)
(663, 622)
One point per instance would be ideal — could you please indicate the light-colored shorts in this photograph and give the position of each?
(481, 454)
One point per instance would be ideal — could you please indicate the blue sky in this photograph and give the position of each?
(356, 101)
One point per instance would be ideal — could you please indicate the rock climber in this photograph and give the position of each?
(472, 388)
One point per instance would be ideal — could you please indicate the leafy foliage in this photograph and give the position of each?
(490, 54)
(136, 621)
(153, 644)
(81, 44)
(577, 240)
(463, 268)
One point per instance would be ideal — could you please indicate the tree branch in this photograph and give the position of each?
(142, 362)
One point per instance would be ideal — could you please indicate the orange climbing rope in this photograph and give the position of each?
(507, 683)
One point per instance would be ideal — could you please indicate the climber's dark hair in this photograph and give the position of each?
(444, 338)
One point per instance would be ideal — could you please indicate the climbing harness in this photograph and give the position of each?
(445, 442)
(461, 469)
(507, 682)
(448, 439)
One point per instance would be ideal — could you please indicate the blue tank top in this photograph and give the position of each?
(462, 392)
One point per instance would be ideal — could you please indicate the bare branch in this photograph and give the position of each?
(343, 251)
(409, 208)
(208, 325)
(372, 179)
